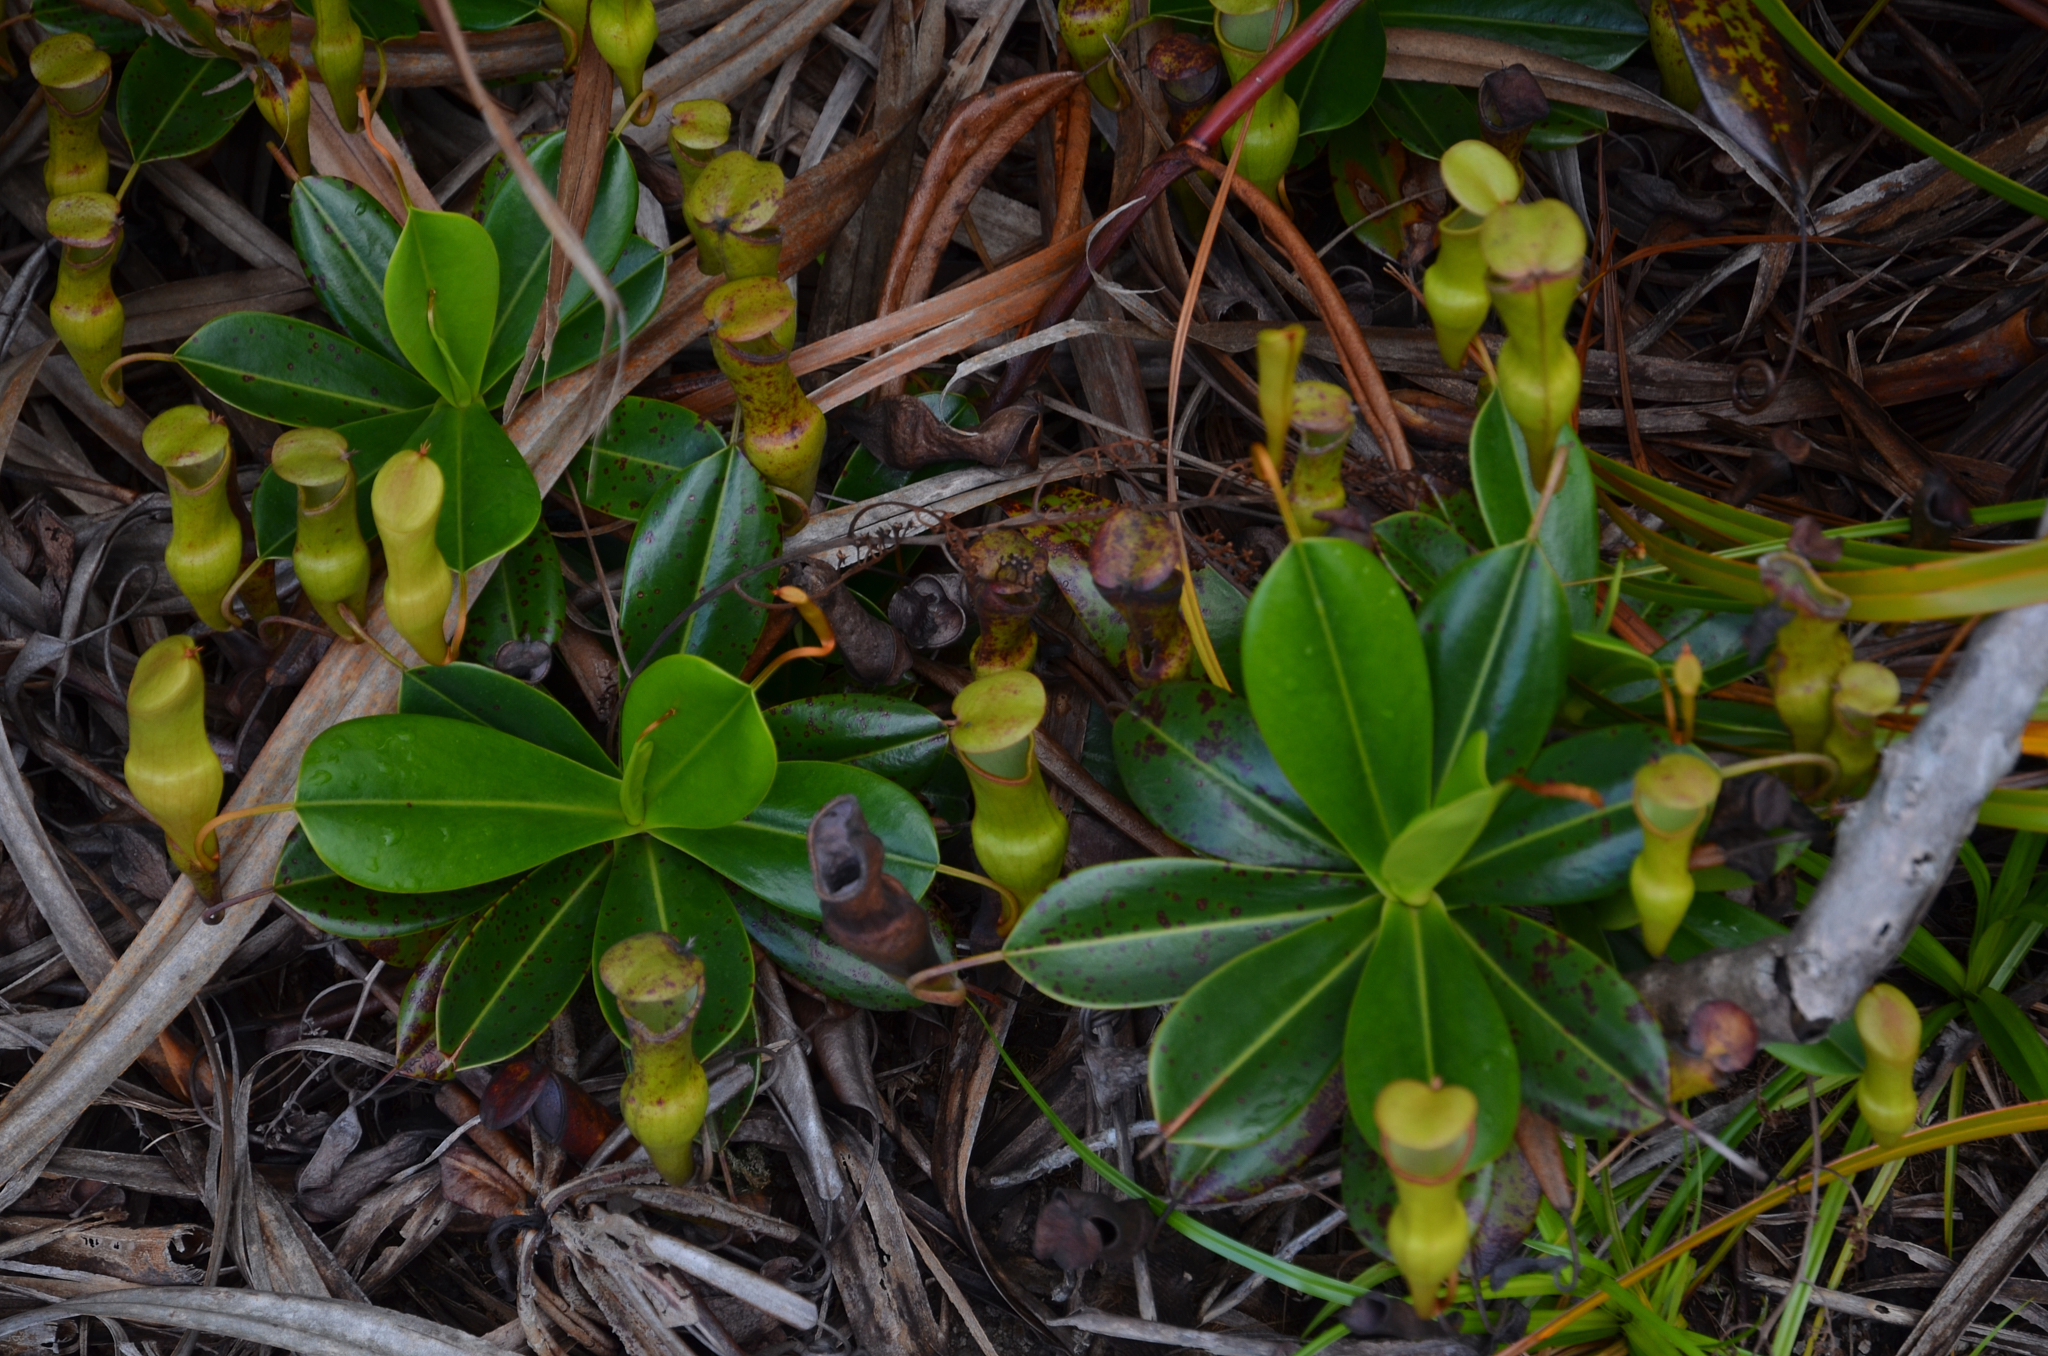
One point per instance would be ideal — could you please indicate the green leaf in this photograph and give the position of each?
(420, 803)
(654, 888)
(485, 696)
(523, 600)
(342, 907)
(1337, 680)
(1496, 637)
(1420, 548)
(2013, 1040)
(1926, 957)
(766, 852)
(109, 34)
(440, 293)
(1597, 33)
(1424, 1011)
(1430, 118)
(1554, 850)
(887, 736)
(799, 946)
(1368, 1189)
(638, 452)
(716, 522)
(640, 277)
(172, 103)
(491, 16)
(524, 247)
(1137, 933)
(492, 501)
(1583, 1035)
(1335, 83)
(1203, 1175)
(1426, 851)
(712, 759)
(1571, 529)
(1835, 1055)
(1250, 1045)
(1192, 760)
(524, 962)
(1604, 663)
(297, 374)
(345, 237)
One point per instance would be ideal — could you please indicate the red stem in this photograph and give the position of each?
(1203, 138)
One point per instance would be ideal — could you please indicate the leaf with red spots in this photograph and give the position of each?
(1130, 934)
(1746, 80)
(1582, 1034)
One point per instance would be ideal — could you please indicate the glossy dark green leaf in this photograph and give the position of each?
(766, 852)
(1837, 1054)
(640, 277)
(716, 522)
(1499, 457)
(1208, 1176)
(1369, 1193)
(887, 736)
(490, 16)
(108, 33)
(524, 962)
(1420, 548)
(421, 803)
(1555, 850)
(345, 237)
(1249, 1046)
(654, 888)
(492, 501)
(172, 103)
(298, 374)
(1337, 680)
(1597, 33)
(1430, 118)
(487, 697)
(1423, 1011)
(346, 909)
(1193, 762)
(2013, 1041)
(1583, 1035)
(1335, 83)
(524, 245)
(712, 757)
(1496, 636)
(800, 947)
(639, 450)
(524, 599)
(1137, 933)
(440, 293)
(1570, 535)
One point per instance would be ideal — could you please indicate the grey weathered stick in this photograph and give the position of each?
(1977, 1277)
(1895, 849)
(790, 1083)
(90, 956)
(314, 1327)
(1239, 1344)
(735, 1280)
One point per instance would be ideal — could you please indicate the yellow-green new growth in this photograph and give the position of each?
(1479, 179)
(1019, 834)
(1426, 1135)
(330, 558)
(1323, 417)
(700, 127)
(405, 501)
(84, 312)
(205, 551)
(781, 431)
(75, 77)
(1863, 692)
(1534, 253)
(1890, 1028)
(660, 988)
(1245, 31)
(624, 33)
(1088, 30)
(172, 769)
(1673, 797)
